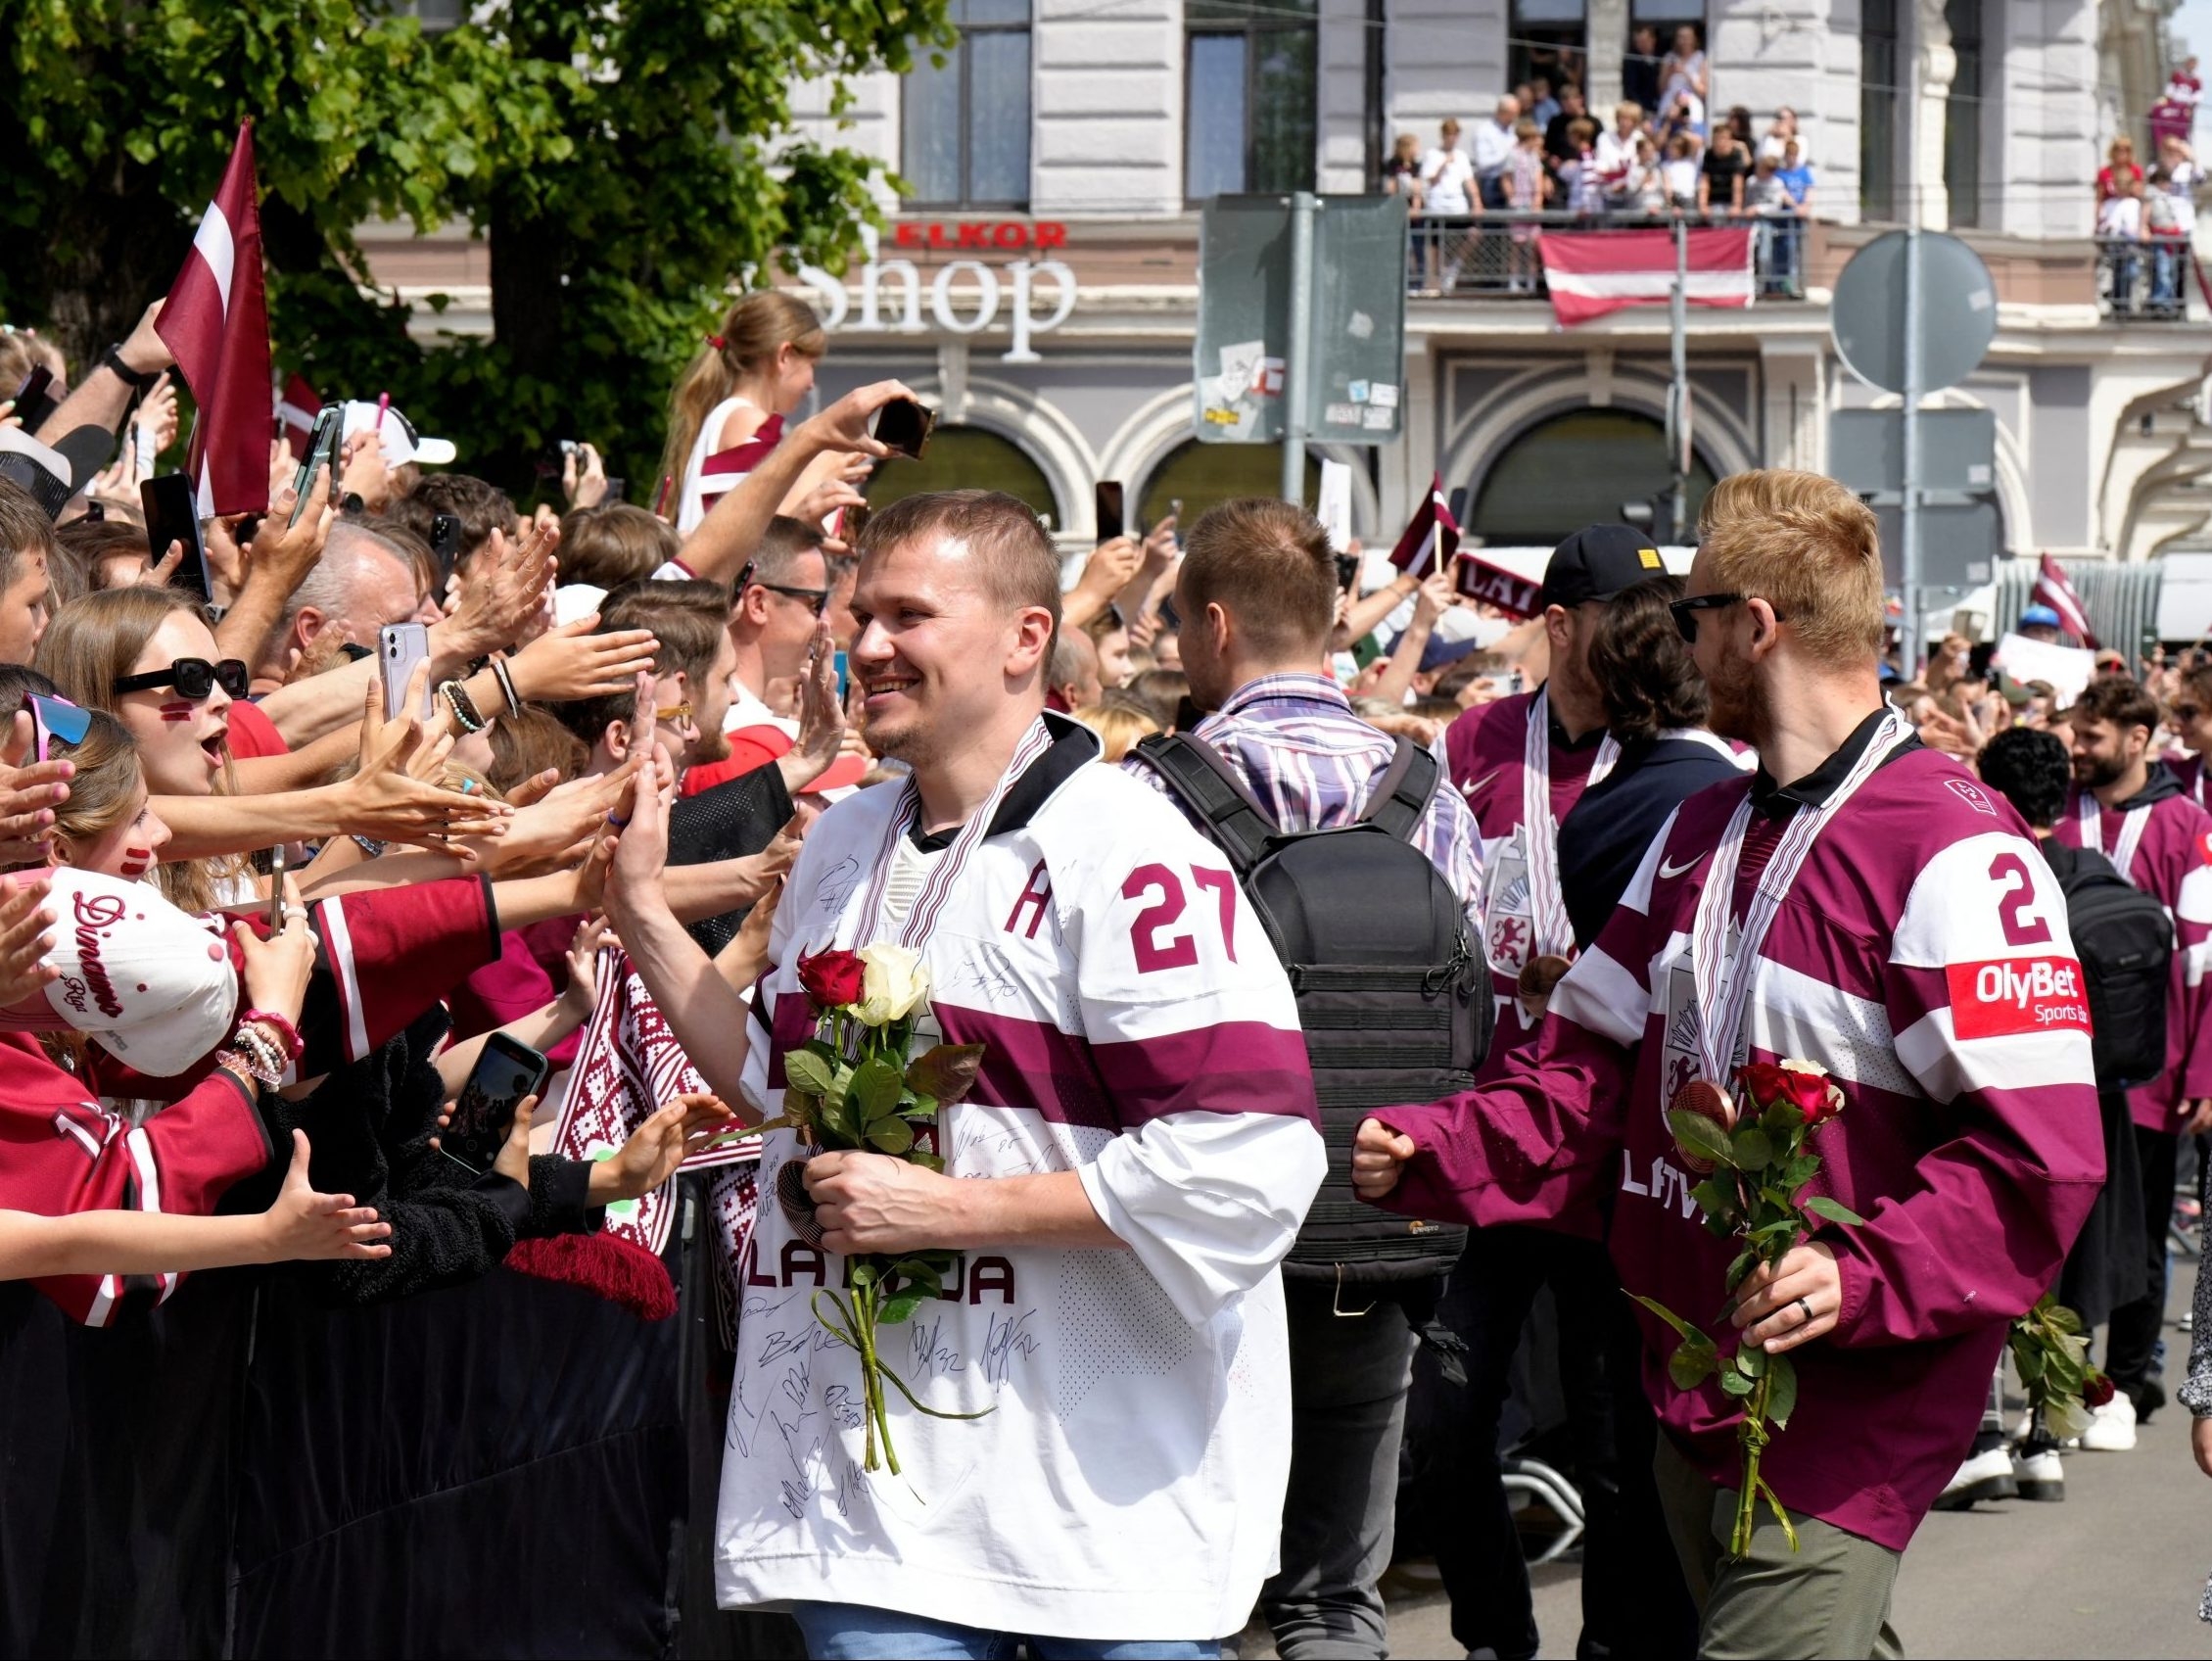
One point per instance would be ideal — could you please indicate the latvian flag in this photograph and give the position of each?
(2054, 590)
(723, 471)
(216, 323)
(297, 406)
(1592, 272)
(1432, 537)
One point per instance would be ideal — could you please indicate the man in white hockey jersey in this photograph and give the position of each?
(1135, 1160)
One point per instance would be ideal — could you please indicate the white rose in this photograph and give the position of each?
(893, 984)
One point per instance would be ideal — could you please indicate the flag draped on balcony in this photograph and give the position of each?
(1590, 273)
(216, 323)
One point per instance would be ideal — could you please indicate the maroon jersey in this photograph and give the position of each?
(2169, 855)
(2187, 768)
(1921, 957)
(1486, 757)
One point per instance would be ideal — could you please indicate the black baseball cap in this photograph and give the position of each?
(1597, 562)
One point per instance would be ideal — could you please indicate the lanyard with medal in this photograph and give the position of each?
(1723, 979)
(1551, 931)
(2090, 816)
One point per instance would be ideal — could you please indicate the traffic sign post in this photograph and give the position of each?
(1957, 451)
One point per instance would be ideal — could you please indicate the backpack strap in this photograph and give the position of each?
(1195, 772)
(1402, 794)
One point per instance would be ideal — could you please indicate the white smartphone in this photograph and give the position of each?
(400, 647)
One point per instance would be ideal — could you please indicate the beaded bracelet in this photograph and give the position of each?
(282, 1029)
(506, 685)
(251, 1073)
(464, 711)
(263, 1050)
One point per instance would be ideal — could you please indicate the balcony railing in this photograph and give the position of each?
(2144, 281)
(1495, 256)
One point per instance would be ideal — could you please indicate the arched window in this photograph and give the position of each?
(966, 458)
(1204, 475)
(1577, 469)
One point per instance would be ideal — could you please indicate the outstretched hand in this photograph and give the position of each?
(304, 1226)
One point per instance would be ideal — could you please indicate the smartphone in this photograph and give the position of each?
(276, 889)
(904, 426)
(1347, 571)
(504, 1073)
(445, 541)
(838, 663)
(172, 515)
(322, 446)
(400, 647)
(32, 402)
(616, 488)
(1106, 509)
(851, 522)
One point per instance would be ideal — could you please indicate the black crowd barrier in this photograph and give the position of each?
(514, 1467)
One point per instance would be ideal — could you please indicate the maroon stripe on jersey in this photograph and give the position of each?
(1032, 1065)
(790, 1024)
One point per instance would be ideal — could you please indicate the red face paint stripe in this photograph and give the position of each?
(176, 711)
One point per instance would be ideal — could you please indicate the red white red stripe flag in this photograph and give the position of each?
(1431, 538)
(297, 406)
(2054, 590)
(216, 323)
(1590, 273)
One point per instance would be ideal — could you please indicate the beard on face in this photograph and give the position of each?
(710, 746)
(2094, 772)
(1739, 702)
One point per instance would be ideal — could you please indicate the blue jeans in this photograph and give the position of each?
(854, 1632)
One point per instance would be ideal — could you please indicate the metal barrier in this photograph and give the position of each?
(2144, 279)
(1496, 256)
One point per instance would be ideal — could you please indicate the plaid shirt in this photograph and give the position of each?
(1311, 763)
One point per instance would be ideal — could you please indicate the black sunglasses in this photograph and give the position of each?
(191, 677)
(1685, 611)
(817, 600)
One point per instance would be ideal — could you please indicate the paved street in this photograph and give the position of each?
(2116, 1569)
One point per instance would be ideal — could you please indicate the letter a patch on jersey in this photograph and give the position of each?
(2012, 995)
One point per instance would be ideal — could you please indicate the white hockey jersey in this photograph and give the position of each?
(1128, 1481)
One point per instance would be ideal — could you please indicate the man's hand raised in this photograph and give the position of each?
(844, 424)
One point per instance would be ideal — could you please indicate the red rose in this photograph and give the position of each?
(1767, 1082)
(1812, 1094)
(2096, 1390)
(830, 978)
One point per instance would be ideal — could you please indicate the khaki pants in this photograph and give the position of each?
(1830, 1597)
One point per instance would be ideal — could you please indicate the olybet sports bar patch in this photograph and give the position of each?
(2012, 995)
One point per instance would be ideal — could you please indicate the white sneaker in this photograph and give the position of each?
(1987, 1474)
(2037, 1470)
(2111, 1427)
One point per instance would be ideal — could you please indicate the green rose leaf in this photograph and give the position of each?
(1751, 1363)
(1733, 1383)
(874, 1090)
(1833, 1210)
(1699, 1135)
(1689, 1366)
(1682, 1328)
(947, 1071)
(1754, 1150)
(1781, 1389)
(899, 1308)
(927, 1162)
(892, 1135)
(808, 1072)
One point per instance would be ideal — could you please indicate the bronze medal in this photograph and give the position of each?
(1540, 974)
(1707, 1100)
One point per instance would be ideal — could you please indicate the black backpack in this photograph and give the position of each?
(1393, 1002)
(2124, 941)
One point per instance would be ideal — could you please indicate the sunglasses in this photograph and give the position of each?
(1685, 611)
(57, 718)
(817, 600)
(191, 677)
(674, 712)
(2181, 712)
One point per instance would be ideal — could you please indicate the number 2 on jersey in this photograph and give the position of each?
(1155, 949)
(2021, 928)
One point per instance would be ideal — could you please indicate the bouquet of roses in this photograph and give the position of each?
(853, 1085)
(1754, 1156)
(2052, 1355)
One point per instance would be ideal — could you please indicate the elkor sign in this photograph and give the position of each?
(987, 290)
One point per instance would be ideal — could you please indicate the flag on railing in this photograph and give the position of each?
(216, 323)
(1432, 538)
(1592, 272)
(297, 406)
(2054, 590)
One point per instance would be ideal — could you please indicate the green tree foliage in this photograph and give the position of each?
(625, 159)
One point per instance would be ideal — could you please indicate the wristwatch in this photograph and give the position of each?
(111, 360)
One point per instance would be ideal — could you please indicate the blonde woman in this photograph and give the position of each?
(1120, 725)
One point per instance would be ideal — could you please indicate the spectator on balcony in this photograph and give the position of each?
(1583, 180)
(2163, 231)
(1721, 178)
(1543, 107)
(1528, 187)
(1401, 174)
(1739, 121)
(1797, 177)
(1683, 117)
(1617, 147)
(2119, 221)
(1447, 187)
(1639, 70)
(1495, 142)
(1683, 69)
(1767, 200)
(2120, 170)
(1559, 147)
(1645, 191)
(1679, 173)
(1781, 135)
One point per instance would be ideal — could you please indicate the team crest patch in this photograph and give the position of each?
(1969, 793)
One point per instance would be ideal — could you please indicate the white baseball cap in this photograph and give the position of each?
(402, 443)
(155, 985)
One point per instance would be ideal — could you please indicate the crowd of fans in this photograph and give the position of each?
(1660, 153)
(276, 896)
